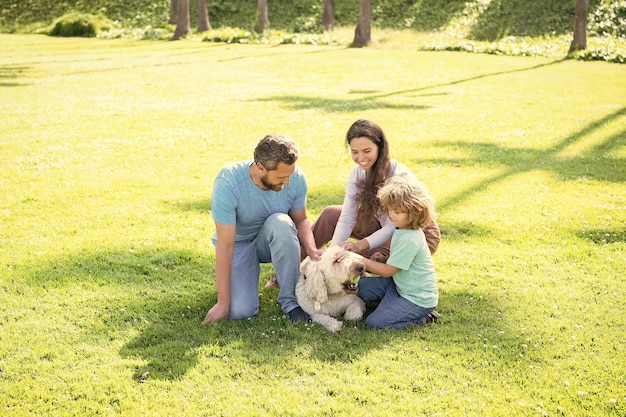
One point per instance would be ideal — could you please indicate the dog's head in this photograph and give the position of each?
(328, 277)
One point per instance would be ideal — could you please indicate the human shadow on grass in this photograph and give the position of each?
(162, 296)
(175, 341)
(598, 162)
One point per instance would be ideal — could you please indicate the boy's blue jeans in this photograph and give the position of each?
(276, 243)
(393, 310)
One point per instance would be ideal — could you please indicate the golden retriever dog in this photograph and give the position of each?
(326, 288)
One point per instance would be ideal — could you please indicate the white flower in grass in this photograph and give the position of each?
(582, 393)
(613, 401)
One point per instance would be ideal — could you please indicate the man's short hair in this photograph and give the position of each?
(275, 148)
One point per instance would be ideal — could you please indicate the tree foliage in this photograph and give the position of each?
(609, 19)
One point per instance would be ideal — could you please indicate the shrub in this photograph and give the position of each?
(609, 19)
(228, 35)
(79, 24)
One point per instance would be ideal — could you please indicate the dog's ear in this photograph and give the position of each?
(315, 287)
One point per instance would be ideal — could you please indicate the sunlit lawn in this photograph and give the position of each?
(108, 151)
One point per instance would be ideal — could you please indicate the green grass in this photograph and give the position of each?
(108, 149)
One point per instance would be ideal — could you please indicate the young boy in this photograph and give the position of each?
(406, 288)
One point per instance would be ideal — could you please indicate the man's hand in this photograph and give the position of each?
(216, 313)
(316, 254)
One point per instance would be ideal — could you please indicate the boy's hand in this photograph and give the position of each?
(340, 256)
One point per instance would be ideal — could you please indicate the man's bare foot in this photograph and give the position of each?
(273, 282)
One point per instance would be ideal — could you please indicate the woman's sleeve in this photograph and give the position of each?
(347, 219)
(383, 234)
(433, 236)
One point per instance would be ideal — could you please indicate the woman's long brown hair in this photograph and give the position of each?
(366, 200)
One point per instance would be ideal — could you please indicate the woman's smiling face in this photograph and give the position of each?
(364, 152)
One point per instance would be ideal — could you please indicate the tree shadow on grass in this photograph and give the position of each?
(202, 206)
(596, 163)
(340, 105)
(462, 230)
(603, 236)
(12, 72)
(123, 267)
(374, 99)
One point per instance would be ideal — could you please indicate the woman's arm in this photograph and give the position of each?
(347, 219)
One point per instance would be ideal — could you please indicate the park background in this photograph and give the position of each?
(108, 149)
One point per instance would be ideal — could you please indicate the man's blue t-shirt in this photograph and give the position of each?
(237, 200)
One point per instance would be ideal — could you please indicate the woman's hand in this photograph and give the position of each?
(339, 256)
(358, 246)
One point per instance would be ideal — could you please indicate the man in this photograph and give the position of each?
(259, 209)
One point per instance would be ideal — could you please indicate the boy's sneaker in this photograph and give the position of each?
(433, 316)
(298, 314)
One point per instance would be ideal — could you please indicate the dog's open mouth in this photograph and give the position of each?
(350, 287)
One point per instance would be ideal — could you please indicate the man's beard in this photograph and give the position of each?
(269, 186)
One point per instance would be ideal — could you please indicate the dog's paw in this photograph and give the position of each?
(335, 327)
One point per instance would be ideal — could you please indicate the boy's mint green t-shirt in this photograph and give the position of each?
(415, 279)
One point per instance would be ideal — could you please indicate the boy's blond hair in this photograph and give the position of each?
(408, 196)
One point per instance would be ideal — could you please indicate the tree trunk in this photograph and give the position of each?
(203, 17)
(328, 17)
(363, 31)
(173, 12)
(182, 25)
(264, 21)
(579, 42)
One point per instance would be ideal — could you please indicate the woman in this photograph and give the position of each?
(361, 216)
